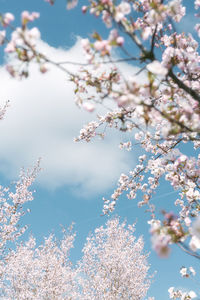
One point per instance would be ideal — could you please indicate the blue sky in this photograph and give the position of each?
(42, 122)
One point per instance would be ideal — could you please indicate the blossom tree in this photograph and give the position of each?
(11, 209)
(113, 265)
(161, 112)
(43, 272)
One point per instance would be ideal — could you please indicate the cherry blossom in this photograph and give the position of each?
(7, 19)
(161, 112)
(122, 10)
(156, 68)
(11, 209)
(112, 260)
(113, 266)
(71, 4)
(88, 106)
(196, 227)
(178, 294)
(27, 17)
(42, 272)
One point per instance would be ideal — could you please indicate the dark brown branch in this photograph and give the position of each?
(169, 118)
(184, 87)
(153, 40)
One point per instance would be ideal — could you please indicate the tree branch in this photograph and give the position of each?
(187, 250)
(184, 87)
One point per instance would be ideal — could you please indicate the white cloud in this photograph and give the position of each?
(42, 122)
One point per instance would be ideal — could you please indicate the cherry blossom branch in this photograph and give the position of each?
(169, 118)
(102, 62)
(186, 249)
(184, 87)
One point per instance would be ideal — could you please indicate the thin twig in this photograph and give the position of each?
(186, 249)
(103, 63)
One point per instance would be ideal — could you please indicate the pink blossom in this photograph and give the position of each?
(43, 68)
(120, 40)
(196, 227)
(197, 28)
(8, 18)
(85, 44)
(187, 221)
(156, 68)
(183, 272)
(122, 9)
(29, 17)
(197, 4)
(113, 264)
(160, 244)
(106, 17)
(71, 4)
(176, 10)
(88, 106)
(84, 9)
(33, 34)
(178, 294)
(194, 243)
(11, 70)
(10, 48)
(100, 45)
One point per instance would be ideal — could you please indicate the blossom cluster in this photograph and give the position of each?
(178, 294)
(11, 207)
(20, 44)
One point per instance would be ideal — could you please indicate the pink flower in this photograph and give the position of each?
(34, 33)
(197, 4)
(194, 243)
(120, 40)
(160, 243)
(27, 17)
(10, 48)
(85, 44)
(196, 227)
(71, 4)
(197, 28)
(183, 272)
(102, 46)
(156, 68)
(11, 70)
(7, 19)
(43, 68)
(84, 9)
(187, 221)
(122, 9)
(107, 18)
(88, 106)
